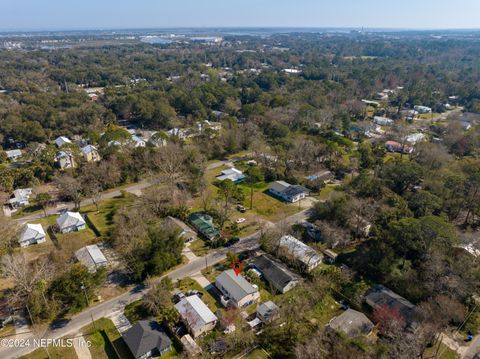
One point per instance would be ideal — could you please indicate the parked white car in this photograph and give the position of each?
(240, 220)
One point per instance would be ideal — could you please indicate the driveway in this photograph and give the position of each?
(200, 278)
(121, 321)
(81, 348)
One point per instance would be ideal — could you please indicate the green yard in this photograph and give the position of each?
(55, 353)
(199, 248)
(103, 218)
(107, 343)
(188, 283)
(135, 311)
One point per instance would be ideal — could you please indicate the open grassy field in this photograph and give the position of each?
(103, 218)
(107, 343)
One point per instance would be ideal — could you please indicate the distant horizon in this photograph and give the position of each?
(153, 28)
(61, 15)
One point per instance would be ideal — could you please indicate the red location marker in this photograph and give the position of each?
(237, 268)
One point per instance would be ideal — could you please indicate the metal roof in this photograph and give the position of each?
(236, 287)
(195, 312)
(70, 219)
(32, 231)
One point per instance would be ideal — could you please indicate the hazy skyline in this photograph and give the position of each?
(107, 14)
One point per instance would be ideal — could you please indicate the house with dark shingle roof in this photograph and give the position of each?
(147, 339)
(276, 274)
(288, 192)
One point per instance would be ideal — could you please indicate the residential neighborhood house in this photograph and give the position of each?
(90, 153)
(203, 223)
(267, 311)
(195, 314)
(91, 257)
(393, 146)
(32, 234)
(65, 160)
(13, 155)
(20, 198)
(234, 175)
(351, 323)
(146, 339)
(236, 289)
(287, 192)
(291, 247)
(70, 222)
(276, 274)
(62, 141)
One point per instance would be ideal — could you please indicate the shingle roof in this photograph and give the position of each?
(88, 149)
(91, 256)
(70, 219)
(279, 186)
(195, 312)
(236, 286)
(352, 323)
(232, 174)
(32, 231)
(62, 140)
(273, 272)
(380, 295)
(267, 309)
(145, 336)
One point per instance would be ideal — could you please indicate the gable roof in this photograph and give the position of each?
(32, 231)
(294, 190)
(195, 312)
(91, 256)
(274, 272)
(145, 336)
(70, 219)
(236, 286)
(352, 323)
(21, 195)
(62, 140)
(380, 295)
(267, 309)
(13, 153)
(88, 149)
(232, 174)
(300, 251)
(279, 186)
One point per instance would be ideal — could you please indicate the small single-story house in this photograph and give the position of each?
(236, 289)
(13, 155)
(137, 141)
(32, 234)
(65, 160)
(352, 323)
(393, 146)
(422, 109)
(234, 175)
(195, 314)
(288, 192)
(185, 231)
(91, 257)
(275, 273)
(291, 247)
(203, 223)
(379, 296)
(62, 141)
(267, 311)
(415, 138)
(90, 153)
(371, 103)
(382, 121)
(71, 222)
(147, 339)
(20, 198)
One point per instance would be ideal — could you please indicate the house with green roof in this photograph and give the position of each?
(203, 224)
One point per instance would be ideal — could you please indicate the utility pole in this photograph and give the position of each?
(88, 303)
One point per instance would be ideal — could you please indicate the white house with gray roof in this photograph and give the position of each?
(91, 257)
(20, 197)
(13, 155)
(288, 192)
(71, 222)
(236, 289)
(32, 234)
(62, 141)
(196, 315)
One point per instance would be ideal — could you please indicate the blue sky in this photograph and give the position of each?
(96, 14)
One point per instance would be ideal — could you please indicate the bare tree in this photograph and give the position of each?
(70, 188)
(10, 231)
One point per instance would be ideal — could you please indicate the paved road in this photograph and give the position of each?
(108, 307)
(134, 188)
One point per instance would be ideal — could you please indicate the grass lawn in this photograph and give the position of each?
(446, 353)
(189, 283)
(107, 343)
(103, 219)
(199, 248)
(257, 354)
(326, 310)
(135, 311)
(55, 353)
(214, 271)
